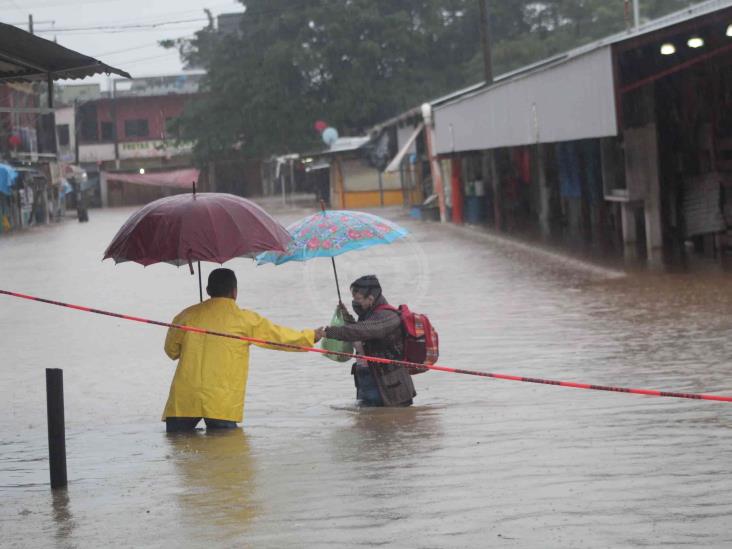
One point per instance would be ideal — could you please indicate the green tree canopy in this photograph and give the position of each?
(354, 63)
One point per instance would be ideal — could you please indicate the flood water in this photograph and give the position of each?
(475, 463)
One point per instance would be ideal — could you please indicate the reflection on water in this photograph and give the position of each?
(386, 435)
(476, 462)
(217, 472)
(62, 515)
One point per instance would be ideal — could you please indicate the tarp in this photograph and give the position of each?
(179, 179)
(25, 56)
(7, 178)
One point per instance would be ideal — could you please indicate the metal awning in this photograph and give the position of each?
(25, 56)
(397, 160)
(568, 97)
(572, 98)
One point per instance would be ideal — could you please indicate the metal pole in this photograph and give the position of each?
(76, 131)
(485, 42)
(30, 23)
(636, 13)
(56, 427)
(381, 189)
(437, 184)
(292, 176)
(115, 127)
(281, 175)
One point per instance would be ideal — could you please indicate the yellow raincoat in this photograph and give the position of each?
(211, 377)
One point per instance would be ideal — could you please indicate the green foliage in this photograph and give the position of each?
(354, 63)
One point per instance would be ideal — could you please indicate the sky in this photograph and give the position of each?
(135, 50)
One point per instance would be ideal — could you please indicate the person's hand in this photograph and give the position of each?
(347, 316)
(319, 334)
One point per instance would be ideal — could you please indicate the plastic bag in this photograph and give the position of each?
(336, 345)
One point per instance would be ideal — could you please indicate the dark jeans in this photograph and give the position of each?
(367, 392)
(179, 424)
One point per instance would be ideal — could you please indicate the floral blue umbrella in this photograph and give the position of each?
(334, 232)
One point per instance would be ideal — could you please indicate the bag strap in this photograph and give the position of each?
(387, 307)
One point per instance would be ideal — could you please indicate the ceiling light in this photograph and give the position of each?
(695, 42)
(729, 31)
(668, 49)
(142, 171)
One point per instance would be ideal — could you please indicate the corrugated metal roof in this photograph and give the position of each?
(681, 16)
(345, 144)
(24, 56)
(692, 12)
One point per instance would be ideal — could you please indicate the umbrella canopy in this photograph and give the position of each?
(197, 227)
(334, 232)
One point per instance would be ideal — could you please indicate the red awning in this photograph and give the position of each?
(179, 179)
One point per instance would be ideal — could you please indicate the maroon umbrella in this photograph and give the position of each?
(197, 227)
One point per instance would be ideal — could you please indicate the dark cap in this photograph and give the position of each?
(368, 285)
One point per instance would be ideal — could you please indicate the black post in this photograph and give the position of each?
(56, 427)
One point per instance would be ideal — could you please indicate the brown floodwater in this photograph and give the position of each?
(475, 463)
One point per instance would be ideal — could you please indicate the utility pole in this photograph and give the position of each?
(485, 41)
(77, 121)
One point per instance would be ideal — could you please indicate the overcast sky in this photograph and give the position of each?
(133, 50)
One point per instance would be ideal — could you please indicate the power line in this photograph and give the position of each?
(140, 47)
(123, 31)
(123, 27)
(148, 58)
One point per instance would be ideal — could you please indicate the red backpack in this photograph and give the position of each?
(421, 342)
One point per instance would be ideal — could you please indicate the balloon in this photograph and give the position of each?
(320, 126)
(330, 135)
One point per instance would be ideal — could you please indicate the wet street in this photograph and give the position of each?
(475, 463)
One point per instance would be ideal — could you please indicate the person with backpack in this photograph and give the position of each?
(378, 332)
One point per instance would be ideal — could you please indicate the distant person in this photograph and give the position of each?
(82, 211)
(378, 331)
(211, 377)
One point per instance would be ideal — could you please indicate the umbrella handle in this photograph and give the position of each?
(338, 287)
(200, 285)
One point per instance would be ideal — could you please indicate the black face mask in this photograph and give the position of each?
(357, 308)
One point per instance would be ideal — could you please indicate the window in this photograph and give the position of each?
(62, 131)
(136, 128)
(107, 131)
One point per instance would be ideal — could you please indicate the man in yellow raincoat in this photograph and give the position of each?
(211, 378)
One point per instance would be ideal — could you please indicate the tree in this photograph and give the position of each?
(354, 63)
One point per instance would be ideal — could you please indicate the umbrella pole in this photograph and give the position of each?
(200, 284)
(335, 272)
(338, 287)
